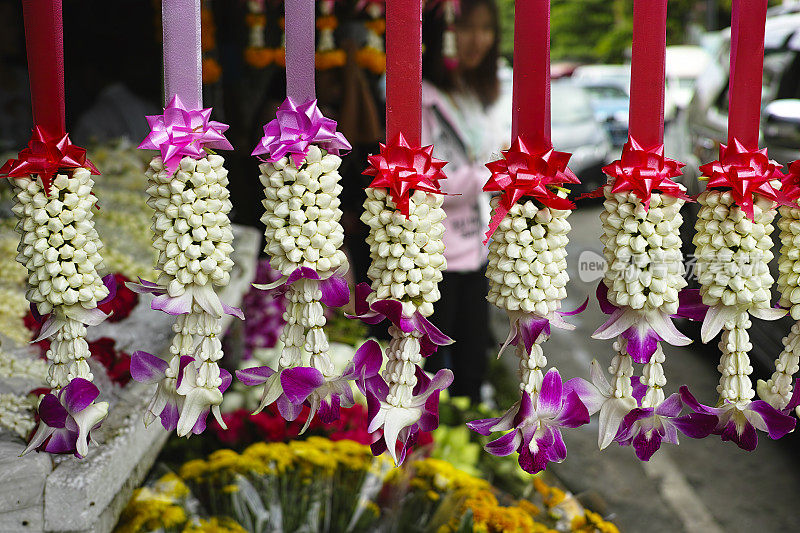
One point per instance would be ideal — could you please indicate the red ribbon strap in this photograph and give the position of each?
(44, 40)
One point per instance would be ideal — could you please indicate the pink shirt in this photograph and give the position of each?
(467, 136)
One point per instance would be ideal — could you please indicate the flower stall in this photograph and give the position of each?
(123, 277)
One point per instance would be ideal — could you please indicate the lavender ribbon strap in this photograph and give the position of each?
(295, 129)
(300, 50)
(182, 132)
(183, 72)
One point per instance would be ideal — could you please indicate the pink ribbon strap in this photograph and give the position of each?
(300, 50)
(183, 71)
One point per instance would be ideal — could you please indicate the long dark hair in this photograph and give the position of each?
(482, 79)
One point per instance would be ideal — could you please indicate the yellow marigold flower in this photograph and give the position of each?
(529, 507)
(193, 469)
(371, 59)
(376, 26)
(432, 495)
(214, 525)
(230, 489)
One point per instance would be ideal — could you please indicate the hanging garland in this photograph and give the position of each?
(372, 56)
(257, 54)
(328, 56)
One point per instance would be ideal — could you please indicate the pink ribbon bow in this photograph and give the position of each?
(182, 132)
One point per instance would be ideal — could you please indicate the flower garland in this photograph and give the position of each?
(257, 54)
(527, 278)
(328, 56)
(733, 252)
(642, 293)
(212, 71)
(303, 238)
(777, 390)
(372, 56)
(192, 233)
(59, 247)
(403, 211)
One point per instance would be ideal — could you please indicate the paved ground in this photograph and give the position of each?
(700, 486)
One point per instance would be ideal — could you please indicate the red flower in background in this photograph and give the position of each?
(116, 363)
(121, 305)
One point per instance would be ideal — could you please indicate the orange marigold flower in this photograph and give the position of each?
(208, 31)
(258, 57)
(279, 57)
(255, 19)
(330, 59)
(327, 23)
(377, 26)
(282, 23)
(211, 70)
(372, 60)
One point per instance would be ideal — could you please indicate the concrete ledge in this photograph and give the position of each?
(40, 493)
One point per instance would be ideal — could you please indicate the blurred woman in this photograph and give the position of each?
(461, 118)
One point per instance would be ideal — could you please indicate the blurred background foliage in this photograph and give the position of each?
(600, 30)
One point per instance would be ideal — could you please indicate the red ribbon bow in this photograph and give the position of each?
(403, 169)
(643, 171)
(790, 184)
(522, 173)
(45, 156)
(745, 173)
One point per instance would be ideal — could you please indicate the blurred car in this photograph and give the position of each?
(576, 130)
(610, 104)
(707, 119)
(683, 66)
(619, 75)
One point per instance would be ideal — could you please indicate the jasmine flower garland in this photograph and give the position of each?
(193, 236)
(60, 249)
(733, 247)
(642, 290)
(303, 237)
(403, 211)
(778, 389)
(527, 274)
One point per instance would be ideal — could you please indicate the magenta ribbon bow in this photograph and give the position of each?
(296, 129)
(182, 132)
(45, 156)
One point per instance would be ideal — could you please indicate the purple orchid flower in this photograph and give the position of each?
(379, 310)
(273, 390)
(198, 401)
(183, 132)
(644, 329)
(334, 287)
(204, 296)
(598, 396)
(536, 430)
(646, 427)
(738, 421)
(529, 326)
(67, 419)
(326, 394)
(169, 402)
(396, 427)
(295, 129)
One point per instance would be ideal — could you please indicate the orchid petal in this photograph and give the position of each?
(769, 419)
(51, 412)
(299, 382)
(253, 376)
(78, 395)
(396, 419)
(671, 407)
(86, 420)
(548, 401)
(147, 368)
(334, 291)
(505, 445)
(612, 413)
